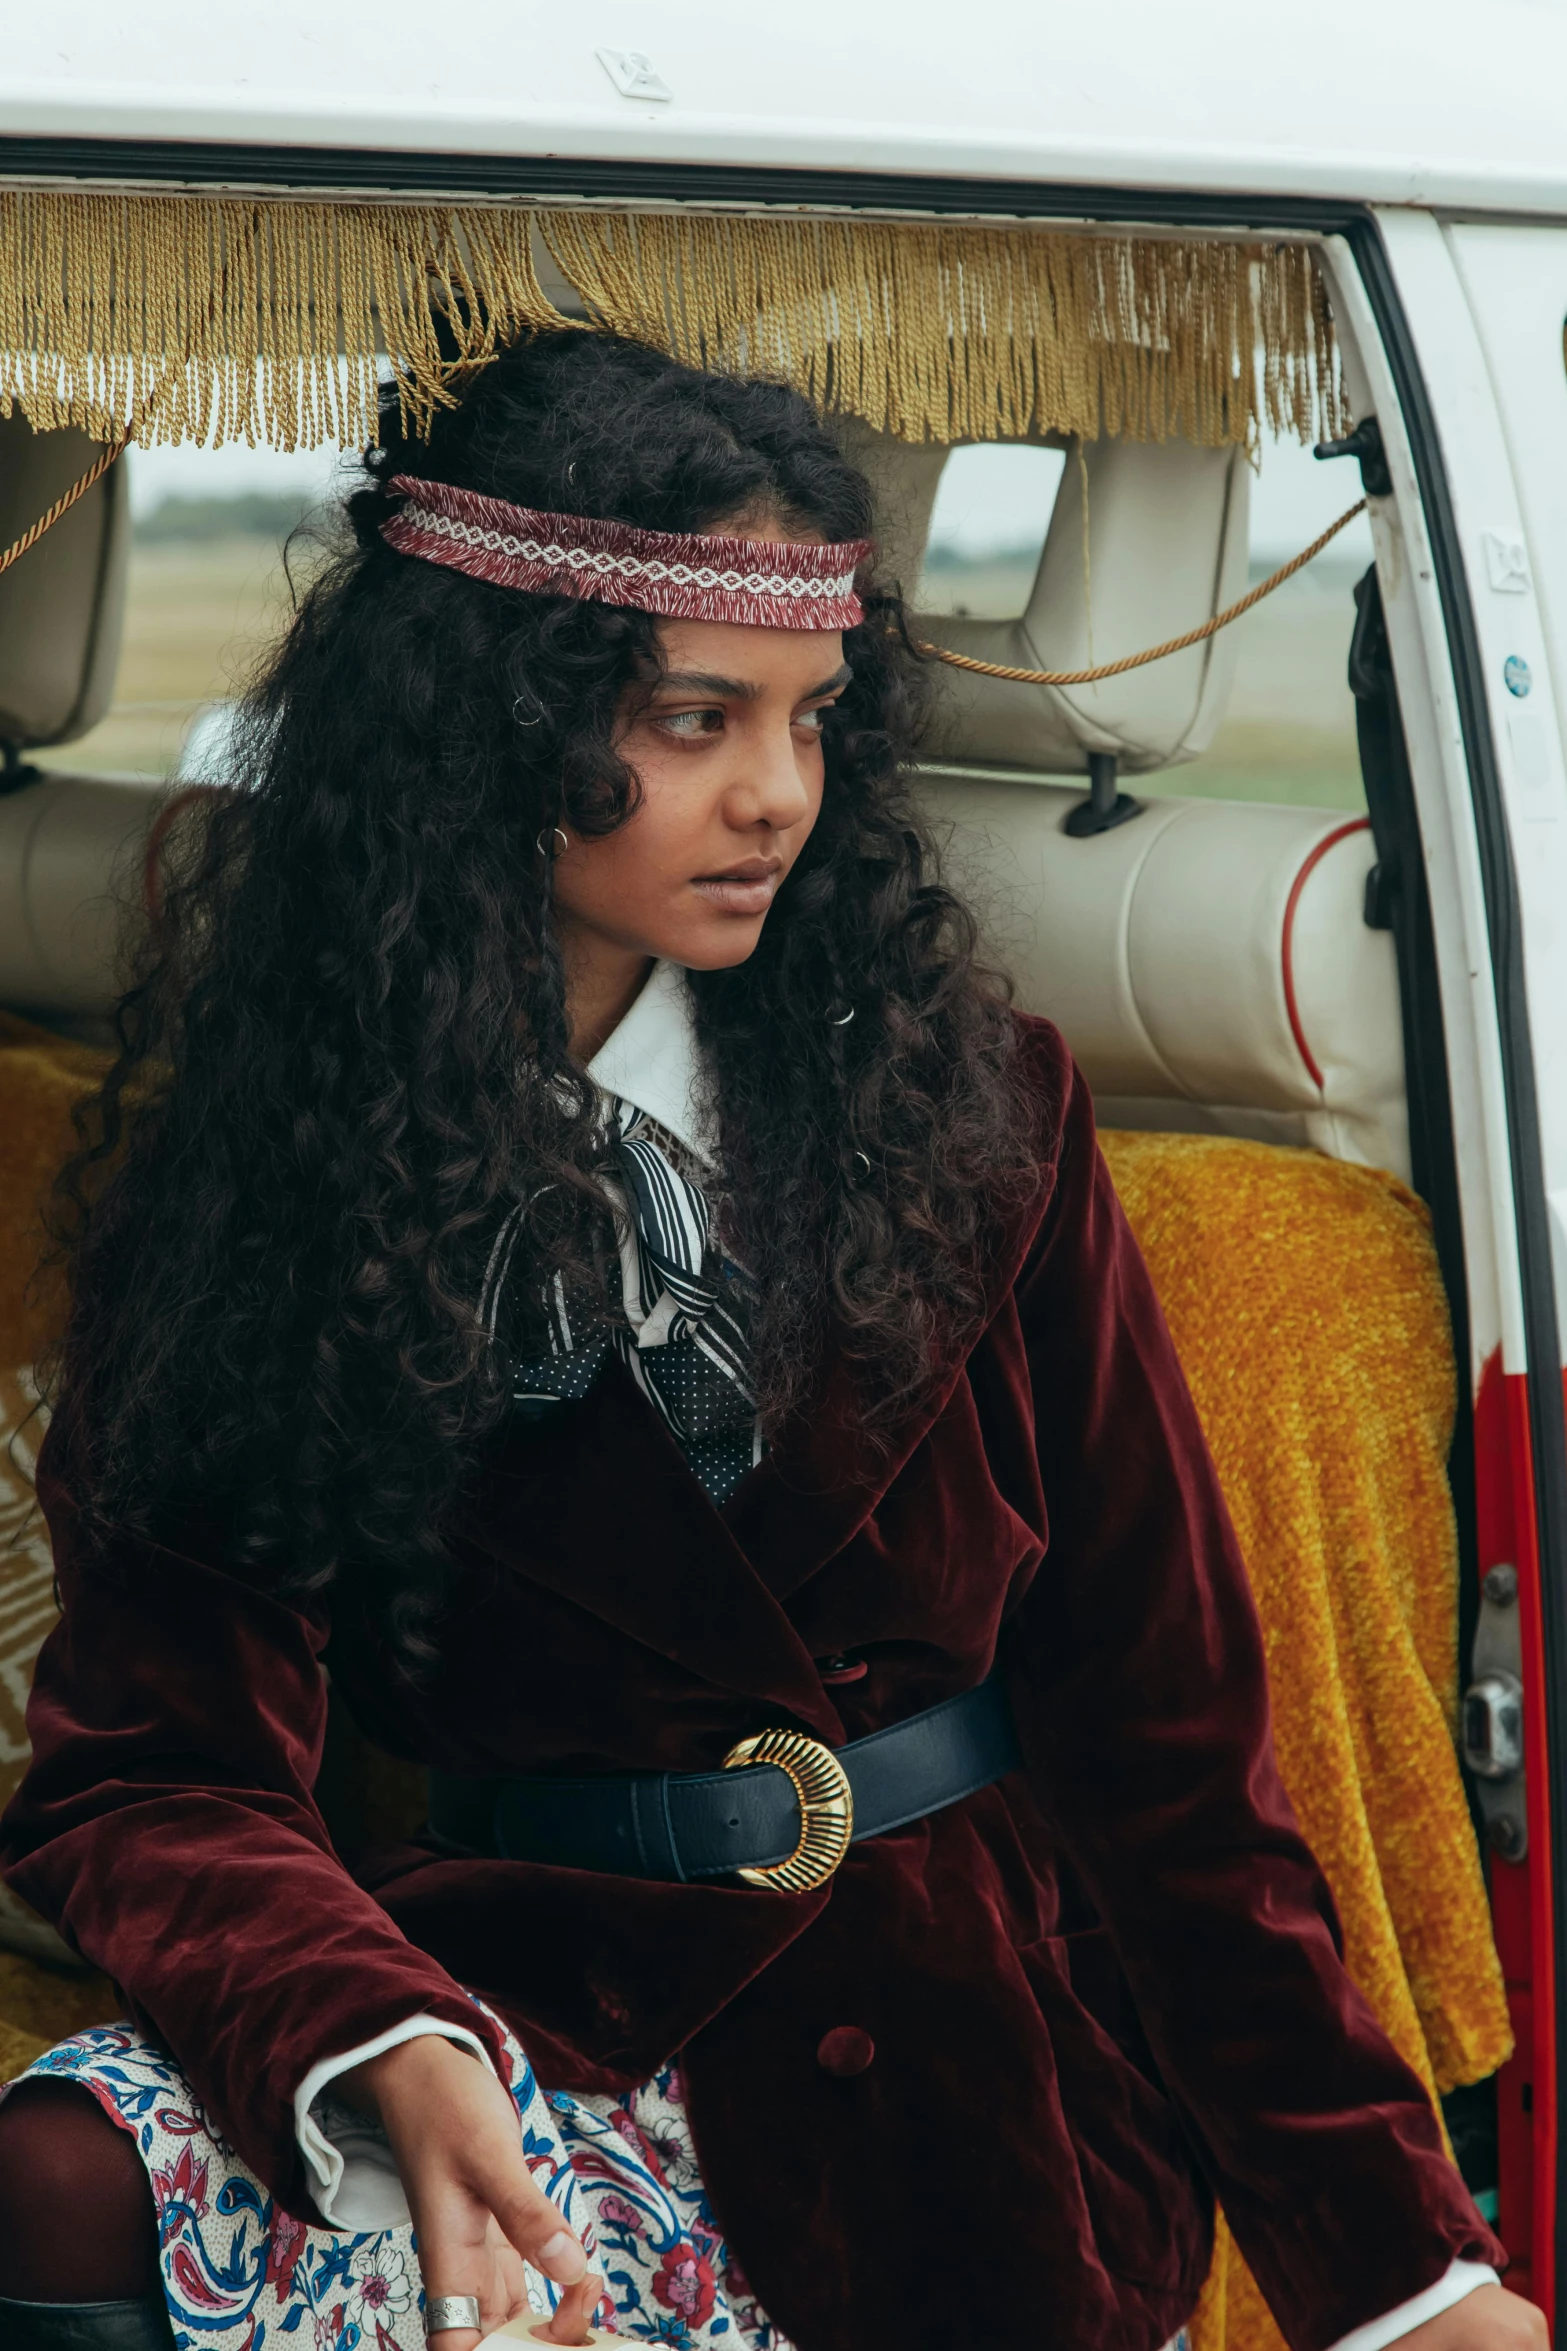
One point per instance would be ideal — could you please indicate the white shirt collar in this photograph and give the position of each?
(652, 1060)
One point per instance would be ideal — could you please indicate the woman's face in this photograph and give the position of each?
(729, 753)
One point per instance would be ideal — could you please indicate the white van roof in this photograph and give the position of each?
(1431, 102)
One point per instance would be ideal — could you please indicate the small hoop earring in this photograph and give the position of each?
(841, 1020)
(864, 1161)
(552, 854)
(518, 720)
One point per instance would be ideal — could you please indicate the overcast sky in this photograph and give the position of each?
(1001, 497)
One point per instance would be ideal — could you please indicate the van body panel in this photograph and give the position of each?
(1420, 108)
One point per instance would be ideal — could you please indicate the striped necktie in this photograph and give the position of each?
(684, 1337)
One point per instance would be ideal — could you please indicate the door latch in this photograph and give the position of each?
(1493, 1740)
(1493, 1726)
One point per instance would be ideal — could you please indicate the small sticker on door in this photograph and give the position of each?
(1506, 563)
(1515, 675)
(634, 75)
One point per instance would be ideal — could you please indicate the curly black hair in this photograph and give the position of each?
(344, 1055)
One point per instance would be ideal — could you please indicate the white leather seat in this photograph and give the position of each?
(72, 850)
(1209, 963)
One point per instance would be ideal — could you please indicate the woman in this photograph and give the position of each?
(574, 1245)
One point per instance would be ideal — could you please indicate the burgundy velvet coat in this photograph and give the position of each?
(1099, 1991)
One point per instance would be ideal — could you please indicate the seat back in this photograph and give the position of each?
(71, 851)
(1166, 547)
(62, 604)
(1209, 963)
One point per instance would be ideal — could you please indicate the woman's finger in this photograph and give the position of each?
(574, 2314)
(531, 2223)
(464, 2258)
(570, 2323)
(445, 2282)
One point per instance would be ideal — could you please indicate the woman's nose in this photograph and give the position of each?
(770, 787)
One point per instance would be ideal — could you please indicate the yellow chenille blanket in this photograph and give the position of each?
(1306, 1305)
(1305, 1302)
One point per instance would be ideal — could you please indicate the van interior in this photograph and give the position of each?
(1249, 1017)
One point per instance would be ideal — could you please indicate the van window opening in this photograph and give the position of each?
(987, 529)
(1288, 733)
(206, 594)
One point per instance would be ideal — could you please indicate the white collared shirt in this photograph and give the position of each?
(653, 1061)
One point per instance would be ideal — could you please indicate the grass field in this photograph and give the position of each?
(201, 615)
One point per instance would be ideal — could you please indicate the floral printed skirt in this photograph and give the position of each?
(241, 2274)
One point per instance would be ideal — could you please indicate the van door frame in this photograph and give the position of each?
(1521, 1434)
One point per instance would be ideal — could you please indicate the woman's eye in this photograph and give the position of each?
(690, 722)
(812, 719)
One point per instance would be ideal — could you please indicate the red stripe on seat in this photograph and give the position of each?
(1356, 824)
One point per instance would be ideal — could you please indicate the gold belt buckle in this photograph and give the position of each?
(826, 1808)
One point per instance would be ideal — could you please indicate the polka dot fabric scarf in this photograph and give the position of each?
(684, 1337)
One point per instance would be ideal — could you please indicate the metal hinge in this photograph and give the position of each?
(1365, 442)
(1493, 1716)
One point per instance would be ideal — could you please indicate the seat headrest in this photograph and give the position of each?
(1208, 963)
(62, 604)
(1168, 547)
(72, 851)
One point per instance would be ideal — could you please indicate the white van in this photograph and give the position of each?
(1385, 197)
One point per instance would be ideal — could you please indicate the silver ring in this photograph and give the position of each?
(445, 2313)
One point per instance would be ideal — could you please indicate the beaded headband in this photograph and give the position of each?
(684, 575)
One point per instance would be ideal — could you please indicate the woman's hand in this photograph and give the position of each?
(476, 2208)
(1489, 2319)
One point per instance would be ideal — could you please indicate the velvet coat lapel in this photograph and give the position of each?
(603, 1510)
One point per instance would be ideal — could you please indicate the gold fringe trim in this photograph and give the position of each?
(967, 333)
(217, 318)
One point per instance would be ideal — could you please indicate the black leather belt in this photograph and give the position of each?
(781, 1813)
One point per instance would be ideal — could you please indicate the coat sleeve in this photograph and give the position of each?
(167, 1827)
(1142, 1699)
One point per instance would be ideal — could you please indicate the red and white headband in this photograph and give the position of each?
(684, 575)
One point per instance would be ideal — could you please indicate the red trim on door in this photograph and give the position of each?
(1356, 824)
(1521, 1905)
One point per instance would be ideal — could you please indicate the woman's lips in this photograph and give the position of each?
(742, 889)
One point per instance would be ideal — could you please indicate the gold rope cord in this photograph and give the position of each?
(1115, 669)
(266, 320)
